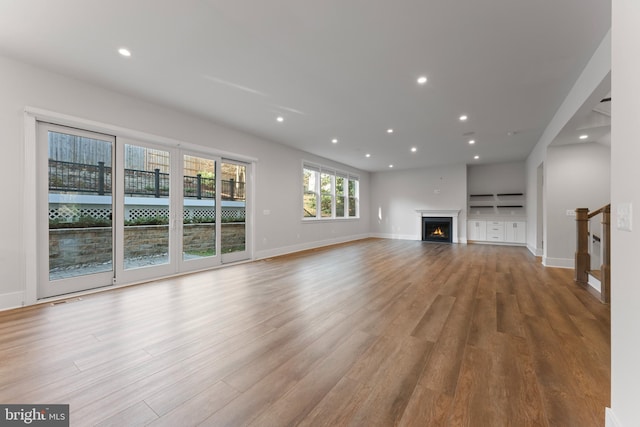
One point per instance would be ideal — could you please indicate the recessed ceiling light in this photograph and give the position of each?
(463, 118)
(476, 157)
(390, 166)
(334, 140)
(414, 149)
(472, 141)
(367, 155)
(422, 80)
(280, 119)
(124, 52)
(389, 130)
(584, 136)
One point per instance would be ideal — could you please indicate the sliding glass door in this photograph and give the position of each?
(117, 211)
(233, 217)
(145, 211)
(200, 224)
(75, 205)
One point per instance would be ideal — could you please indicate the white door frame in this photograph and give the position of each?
(30, 197)
(46, 286)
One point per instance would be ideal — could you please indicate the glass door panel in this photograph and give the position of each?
(199, 212)
(146, 207)
(78, 244)
(233, 212)
(112, 212)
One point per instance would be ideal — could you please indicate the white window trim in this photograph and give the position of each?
(320, 169)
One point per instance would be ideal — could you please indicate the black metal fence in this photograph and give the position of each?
(97, 179)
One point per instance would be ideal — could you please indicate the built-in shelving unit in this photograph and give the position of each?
(500, 204)
(496, 218)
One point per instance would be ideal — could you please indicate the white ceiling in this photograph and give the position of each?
(343, 69)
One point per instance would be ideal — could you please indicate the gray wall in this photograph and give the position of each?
(576, 176)
(396, 195)
(278, 171)
(496, 178)
(625, 188)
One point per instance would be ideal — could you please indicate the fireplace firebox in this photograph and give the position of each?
(437, 229)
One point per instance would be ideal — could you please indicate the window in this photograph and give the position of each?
(311, 196)
(340, 196)
(328, 194)
(353, 198)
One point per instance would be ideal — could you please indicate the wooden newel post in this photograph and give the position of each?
(583, 259)
(605, 268)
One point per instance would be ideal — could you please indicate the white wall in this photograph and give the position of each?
(576, 176)
(278, 171)
(496, 178)
(590, 87)
(625, 188)
(534, 198)
(396, 195)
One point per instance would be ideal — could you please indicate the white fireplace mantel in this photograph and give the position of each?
(453, 213)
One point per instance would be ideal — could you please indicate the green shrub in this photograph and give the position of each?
(84, 221)
(200, 220)
(148, 220)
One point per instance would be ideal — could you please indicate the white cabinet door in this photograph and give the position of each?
(515, 232)
(477, 230)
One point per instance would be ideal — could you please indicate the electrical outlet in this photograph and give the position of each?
(571, 212)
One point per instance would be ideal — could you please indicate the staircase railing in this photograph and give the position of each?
(585, 237)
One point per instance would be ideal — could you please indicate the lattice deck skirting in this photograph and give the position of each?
(71, 213)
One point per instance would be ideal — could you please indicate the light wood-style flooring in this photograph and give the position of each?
(370, 333)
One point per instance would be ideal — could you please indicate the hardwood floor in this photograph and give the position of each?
(370, 333)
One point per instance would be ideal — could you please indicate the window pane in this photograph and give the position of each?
(233, 209)
(146, 207)
(199, 208)
(326, 189)
(310, 203)
(310, 197)
(80, 228)
(325, 180)
(326, 206)
(309, 180)
(353, 188)
(353, 198)
(340, 185)
(339, 207)
(352, 207)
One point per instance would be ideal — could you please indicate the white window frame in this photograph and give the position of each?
(319, 170)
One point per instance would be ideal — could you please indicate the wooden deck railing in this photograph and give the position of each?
(583, 257)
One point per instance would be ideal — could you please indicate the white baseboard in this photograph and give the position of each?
(11, 300)
(595, 283)
(396, 236)
(306, 246)
(535, 251)
(610, 419)
(558, 262)
(406, 237)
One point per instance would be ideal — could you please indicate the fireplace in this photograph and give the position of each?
(437, 229)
